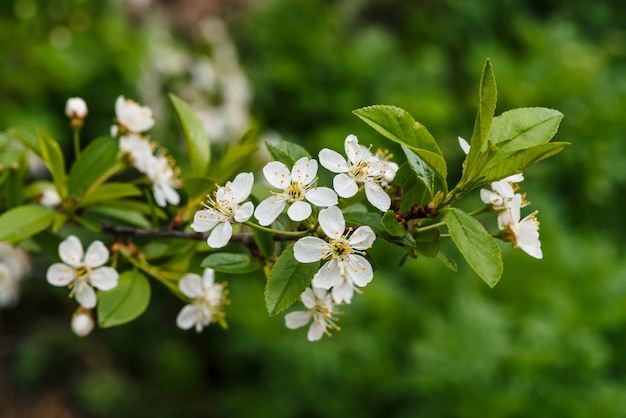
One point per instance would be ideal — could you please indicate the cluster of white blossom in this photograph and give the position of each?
(132, 120)
(504, 200)
(342, 250)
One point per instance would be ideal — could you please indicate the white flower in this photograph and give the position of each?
(523, 234)
(76, 107)
(346, 266)
(50, 198)
(319, 308)
(224, 209)
(14, 265)
(207, 303)
(138, 150)
(83, 271)
(389, 169)
(82, 322)
(297, 190)
(362, 167)
(132, 117)
(164, 180)
(501, 192)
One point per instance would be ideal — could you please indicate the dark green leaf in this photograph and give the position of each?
(22, 222)
(125, 302)
(265, 242)
(391, 224)
(479, 249)
(357, 214)
(232, 263)
(94, 161)
(195, 135)
(287, 280)
(427, 243)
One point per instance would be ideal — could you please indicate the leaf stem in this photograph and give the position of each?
(76, 142)
(276, 231)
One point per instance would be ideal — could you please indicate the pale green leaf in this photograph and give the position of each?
(22, 222)
(94, 161)
(195, 135)
(110, 191)
(287, 152)
(232, 263)
(53, 157)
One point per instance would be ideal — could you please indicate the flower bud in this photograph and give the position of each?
(76, 108)
(82, 322)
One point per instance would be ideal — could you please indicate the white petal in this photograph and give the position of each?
(304, 171)
(169, 194)
(203, 221)
(355, 152)
(344, 185)
(515, 178)
(104, 278)
(491, 198)
(268, 210)
(191, 286)
(299, 211)
(244, 212)
(159, 196)
(362, 238)
(343, 292)
(60, 274)
(97, 254)
(503, 188)
(82, 324)
(328, 275)
(208, 278)
(86, 296)
(277, 174)
(377, 196)
(71, 251)
(315, 332)
(332, 222)
(220, 235)
(527, 237)
(242, 186)
(297, 319)
(186, 317)
(333, 161)
(120, 105)
(359, 270)
(322, 196)
(308, 297)
(309, 249)
(465, 146)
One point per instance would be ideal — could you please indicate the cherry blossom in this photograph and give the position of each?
(208, 299)
(297, 191)
(132, 117)
(320, 309)
(345, 267)
(164, 180)
(523, 234)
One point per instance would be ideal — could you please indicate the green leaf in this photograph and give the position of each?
(391, 224)
(487, 95)
(448, 262)
(427, 243)
(129, 217)
(195, 135)
(28, 137)
(265, 242)
(397, 125)
(94, 161)
(479, 249)
(125, 302)
(523, 128)
(22, 222)
(232, 162)
(287, 280)
(232, 263)
(53, 157)
(412, 191)
(520, 162)
(422, 171)
(287, 152)
(357, 214)
(110, 191)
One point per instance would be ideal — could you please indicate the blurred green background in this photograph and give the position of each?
(548, 341)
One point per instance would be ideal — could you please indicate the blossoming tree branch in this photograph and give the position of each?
(309, 241)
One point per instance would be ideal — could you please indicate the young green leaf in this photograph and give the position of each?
(22, 222)
(125, 302)
(287, 152)
(422, 171)
(110, 191)
(479, 249)
(232, 263)
(287, 281)
(195, 135)
(95, 161)
(487, 96)
(397, 125)
(53, 157)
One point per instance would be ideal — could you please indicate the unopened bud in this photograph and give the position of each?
(76, 107)
(82, 322)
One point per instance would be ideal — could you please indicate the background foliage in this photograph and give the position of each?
(548, 341)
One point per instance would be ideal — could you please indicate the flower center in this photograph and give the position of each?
(295, 192)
